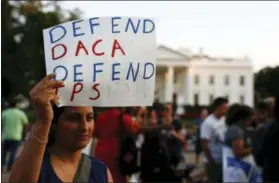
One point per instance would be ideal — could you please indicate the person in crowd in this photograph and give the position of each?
(269, 151)
(14, 123)
(162, 149)
(263, 122)
(212, 134)
(108, 144)
(158, 108)
(53, 151)
(270, 102)
(239, 141)
(236, 136)
(198, 122)
(261, 116)
(174, 105)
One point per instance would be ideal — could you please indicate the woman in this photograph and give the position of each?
(108, 132)
(53, 150)
(239, 164)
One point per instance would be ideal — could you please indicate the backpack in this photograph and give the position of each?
(155, 152)
(128, 152)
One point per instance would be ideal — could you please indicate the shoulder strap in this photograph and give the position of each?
(83, 171)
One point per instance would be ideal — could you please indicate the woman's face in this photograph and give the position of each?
(75, 127)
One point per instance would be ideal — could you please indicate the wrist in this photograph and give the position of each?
(39, 135)
(41, 129)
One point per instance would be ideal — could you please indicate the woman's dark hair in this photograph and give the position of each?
(238, 113)
(231, 113)
(57, 111)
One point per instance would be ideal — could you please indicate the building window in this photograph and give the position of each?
(211, 98)
(242, 80)
(196, 79)
(211, 79)
(196, 99)
(227, 80)
(241, 98)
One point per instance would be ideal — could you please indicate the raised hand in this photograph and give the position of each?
(43, 95)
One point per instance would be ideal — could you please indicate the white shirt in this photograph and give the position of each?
(213, 129)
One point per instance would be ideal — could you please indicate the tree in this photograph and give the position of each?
(266, 82)
(22, 41)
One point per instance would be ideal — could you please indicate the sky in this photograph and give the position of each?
(233, 28)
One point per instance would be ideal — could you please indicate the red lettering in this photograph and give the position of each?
(115, 46)
(95, 88)
(80, 46)
(62, 55)
(75, 90)
(94, 46)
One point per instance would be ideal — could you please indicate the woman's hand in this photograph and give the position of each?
(42, 96)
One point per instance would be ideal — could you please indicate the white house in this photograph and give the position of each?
(197, 78)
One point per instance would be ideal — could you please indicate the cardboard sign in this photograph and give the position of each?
(240, 170)
(103, 61)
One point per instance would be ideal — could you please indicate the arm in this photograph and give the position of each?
(146, 129)
(178, 136)
(205, 139)
(237, 138)
(32, 155)
(134, 128)
(110, 179)
(239, 150)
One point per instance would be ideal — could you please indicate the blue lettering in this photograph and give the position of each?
(113, 77)
(92, 24)
(76, 28)
(145, 21)
(95, 70)
(135, 30)
(65, 72)
(77, 73)
(144, 73)
(131, 69)
(114, 25)
(58, 39)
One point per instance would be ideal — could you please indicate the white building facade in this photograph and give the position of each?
(197, 79)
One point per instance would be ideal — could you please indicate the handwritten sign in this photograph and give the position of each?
(240, 170)
(103, 61)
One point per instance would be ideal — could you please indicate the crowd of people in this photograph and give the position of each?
(249, 133)
(145, 141)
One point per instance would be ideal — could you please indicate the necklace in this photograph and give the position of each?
(62, 167)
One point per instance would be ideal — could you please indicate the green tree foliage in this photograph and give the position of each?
(22, 41)
(267, 82)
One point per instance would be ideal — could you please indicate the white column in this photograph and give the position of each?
(188, 88)
(249, 93)
(169, 85)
